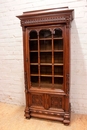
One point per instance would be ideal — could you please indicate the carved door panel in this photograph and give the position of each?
(56, 102)
(36, 100)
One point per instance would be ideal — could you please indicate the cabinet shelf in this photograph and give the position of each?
(45, 39)
(34, 51)
(58, 50)
(45, 75)
(57, 38)
(45, 64)
(33, 39)
(33, 63)
(34, 75)
(58, 64)
(46, 85)
(45, 50)
(58, 76)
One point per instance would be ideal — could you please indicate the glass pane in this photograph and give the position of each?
(45, 33)
(46, 57)
(46, 82)
(45, 44)
(47, 70)
(34, 69)
(58, 44)
(58, 82)
(58, 57)
(33, 57)
(58, 70)
(34, 81)
(33, 35)
(33, 45)
(57, 33)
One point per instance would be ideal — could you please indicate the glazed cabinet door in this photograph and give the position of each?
(46, 54)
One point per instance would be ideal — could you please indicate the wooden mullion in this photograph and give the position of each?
(52, 62)
(39, 59)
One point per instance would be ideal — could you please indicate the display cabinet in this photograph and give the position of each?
(46, 44)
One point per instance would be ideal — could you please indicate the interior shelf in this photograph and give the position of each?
(33, 40)
(45, 39)
(45, 75)
(57, 38)
(34, 75)
(45, 50)
(33, 63)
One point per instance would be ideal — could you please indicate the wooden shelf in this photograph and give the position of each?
(45, 50)
(34, 51)
(58, 64)
(45, 39)
(57, 38)
(55, 64)
(45, 75)
(45, 64)
(33, 63)
(34, 75)
(58, 50)
(61, 76)
(33, 39)
(47, 85)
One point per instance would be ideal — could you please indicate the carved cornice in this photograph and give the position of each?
(43, 20)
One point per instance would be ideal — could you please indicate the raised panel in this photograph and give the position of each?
(37, 100)
(56, 102)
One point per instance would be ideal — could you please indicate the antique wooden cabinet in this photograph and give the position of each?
(46, 45)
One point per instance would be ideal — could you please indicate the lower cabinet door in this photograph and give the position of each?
(46, 101)
(56, 102)
(36, 100)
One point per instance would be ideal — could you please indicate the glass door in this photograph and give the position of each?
(46, 50)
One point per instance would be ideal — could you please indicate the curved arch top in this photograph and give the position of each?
(45, 33)
(33, 34)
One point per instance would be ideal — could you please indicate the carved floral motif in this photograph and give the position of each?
(44, 19)
(56, 102)
(37, 100)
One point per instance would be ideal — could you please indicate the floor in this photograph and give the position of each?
(12, 118)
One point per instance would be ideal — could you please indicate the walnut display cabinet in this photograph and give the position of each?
(46, 45)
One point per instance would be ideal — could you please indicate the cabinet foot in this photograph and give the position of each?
(27, 113)
(66, 120)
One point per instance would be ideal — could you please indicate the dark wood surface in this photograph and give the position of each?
(46, 45)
